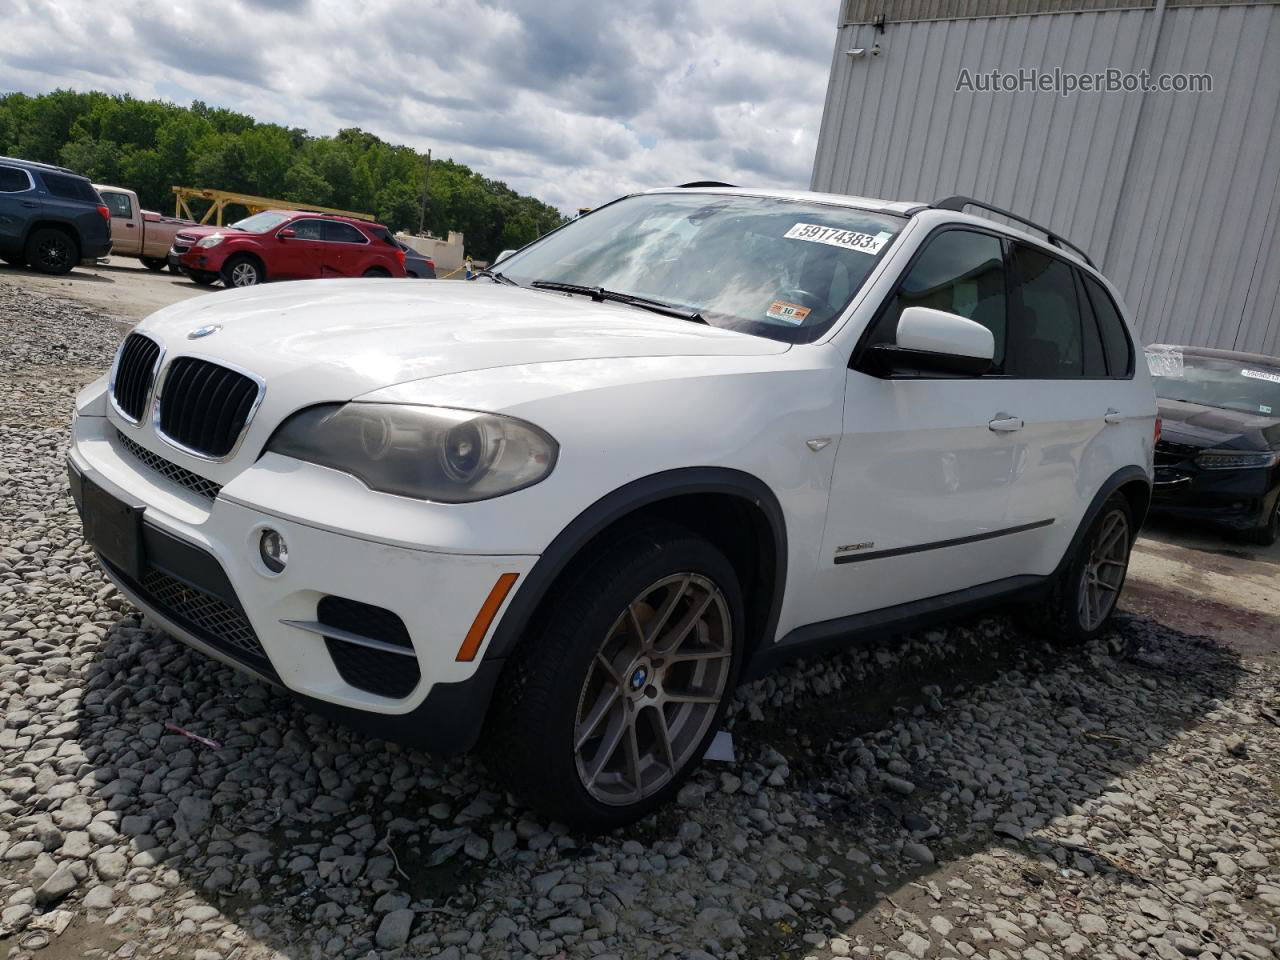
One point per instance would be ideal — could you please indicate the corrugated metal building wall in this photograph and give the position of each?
(1175, 195)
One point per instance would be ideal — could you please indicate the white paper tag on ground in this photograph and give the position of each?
(721, 748)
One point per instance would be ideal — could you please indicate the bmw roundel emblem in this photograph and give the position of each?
(204, 331)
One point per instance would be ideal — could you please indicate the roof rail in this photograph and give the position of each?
(704, 183)
(958, 204)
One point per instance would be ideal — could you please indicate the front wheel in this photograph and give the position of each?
(375, 272)
(1085, 595)
(155, 264)
(607, 708)
(243, 271)
(203, 277)
(1269, 531)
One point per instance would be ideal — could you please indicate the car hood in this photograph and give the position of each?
(338, 339)
(1201, 426)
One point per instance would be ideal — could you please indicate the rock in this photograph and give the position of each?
(24, 850)
(193, 816)
(691, 795)
(62, 882)
(1235, 745)
(917, 852)
(899, 785)
(393, 931)
(101, 897)
(145, 893)
(915, 944)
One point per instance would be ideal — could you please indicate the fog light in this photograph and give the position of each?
(274, 552)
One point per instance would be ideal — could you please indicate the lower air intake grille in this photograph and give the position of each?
(171, 471)
(382, 672)
(210, 618)
(205, 407)
(134, 372)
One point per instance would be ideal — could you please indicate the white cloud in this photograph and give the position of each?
(572, 101)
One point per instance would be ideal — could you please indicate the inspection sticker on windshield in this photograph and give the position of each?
(785, 312)
(1261, 375)
(834, 236)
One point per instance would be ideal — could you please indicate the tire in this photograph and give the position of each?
(1064, 615)
(53, 251)
(155, 264)
(202, 278)
(375, 272)
(539, 740)
(243, 270)
(1269, 532)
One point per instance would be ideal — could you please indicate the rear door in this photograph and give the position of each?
(346, 250)
(19, 205)
(300, 257)
(126, 223)
(920, 495)
(1069, 403)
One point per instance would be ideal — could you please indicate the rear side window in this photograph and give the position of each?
(1115, 339)
(1046, 330)
(336, 232)
(13, 180)
(68, 187)
(961, 272)
(383, 234)
(120, 204)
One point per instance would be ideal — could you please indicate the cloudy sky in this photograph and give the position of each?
(573, 101)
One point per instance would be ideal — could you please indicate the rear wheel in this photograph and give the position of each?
(50, 250)
(1085, 595)
(155, 263)
(609, 705)
(243, 271)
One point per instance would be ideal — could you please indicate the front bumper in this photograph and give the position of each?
(202, 579)
(1239, 499)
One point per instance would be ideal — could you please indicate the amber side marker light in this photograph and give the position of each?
(488, 610)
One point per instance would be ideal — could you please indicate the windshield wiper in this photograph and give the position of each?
(600, 294)
(497, 275)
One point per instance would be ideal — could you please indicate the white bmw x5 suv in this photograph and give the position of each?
(561, 511)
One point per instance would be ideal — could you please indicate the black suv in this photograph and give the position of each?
(50, 218)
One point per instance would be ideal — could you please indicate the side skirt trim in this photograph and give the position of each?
(940, 544)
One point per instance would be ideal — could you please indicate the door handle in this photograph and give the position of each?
(1003, 423)
(30, 203)
(129, 225)
(1112, 416)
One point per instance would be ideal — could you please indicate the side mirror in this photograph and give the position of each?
(502, 256)
(286, 233)
(932, 342)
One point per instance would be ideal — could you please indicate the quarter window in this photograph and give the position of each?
(13, 180)
(961, 272)
(119, 203)
(1046, 332)
(343, 233)
(1115, 340)
(70, 188)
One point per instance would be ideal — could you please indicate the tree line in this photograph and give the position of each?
(151, 146)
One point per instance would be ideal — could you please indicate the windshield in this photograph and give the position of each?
(260, 222)
(773, 268)
(1230, 384)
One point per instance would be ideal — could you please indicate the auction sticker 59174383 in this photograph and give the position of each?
(835, 237)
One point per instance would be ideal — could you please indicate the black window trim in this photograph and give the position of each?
(1010, 265)
(364, 240)
(1124, 327)
(65, 175)
(107, 203)
(878, 316)
(31, 181)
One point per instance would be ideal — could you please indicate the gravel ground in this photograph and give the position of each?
(967, 792)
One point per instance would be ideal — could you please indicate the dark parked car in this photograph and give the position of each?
(286, 245)
(50, 218)
(1218, 457)
(417, 264)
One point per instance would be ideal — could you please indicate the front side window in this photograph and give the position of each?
(1214, 382)
(1046, 330)
(957, 271)
(764, 266)
(260, 222)
(119, 204)
(308, 229)
(13, 180)
(336, 232)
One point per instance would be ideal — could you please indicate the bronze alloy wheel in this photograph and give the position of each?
(653, 689)
(1103, 573)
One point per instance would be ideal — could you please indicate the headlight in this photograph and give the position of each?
(1229, 460)
(210, 241)
(429, 453)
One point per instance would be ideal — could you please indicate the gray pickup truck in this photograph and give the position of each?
(50, 217)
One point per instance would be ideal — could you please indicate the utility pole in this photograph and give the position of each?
(426, 194)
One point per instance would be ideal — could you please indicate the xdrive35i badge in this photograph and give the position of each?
(204, 331)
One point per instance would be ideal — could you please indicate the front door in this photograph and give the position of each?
(19, 205)
(301, 256)
(927, 467)
(126, 225)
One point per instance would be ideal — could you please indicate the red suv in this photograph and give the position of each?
(286, 245)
